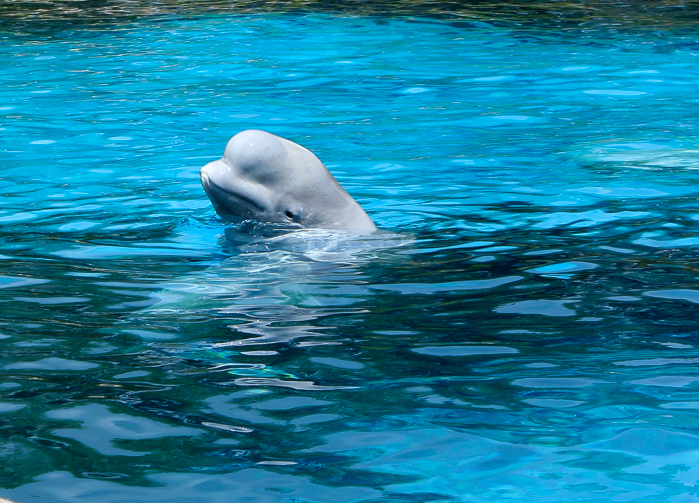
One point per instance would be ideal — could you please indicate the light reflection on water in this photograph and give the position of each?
(522, 327)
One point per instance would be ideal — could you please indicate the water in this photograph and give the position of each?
(523, 328)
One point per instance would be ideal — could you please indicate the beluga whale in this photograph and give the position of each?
(268, 178)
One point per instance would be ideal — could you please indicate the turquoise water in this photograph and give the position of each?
(523, 328)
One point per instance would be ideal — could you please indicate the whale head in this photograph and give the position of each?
(267, 178)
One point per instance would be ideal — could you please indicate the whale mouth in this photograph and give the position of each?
(236, 195)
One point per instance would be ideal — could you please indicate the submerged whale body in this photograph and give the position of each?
(267, 178)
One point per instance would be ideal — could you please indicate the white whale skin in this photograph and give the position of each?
(267, 178)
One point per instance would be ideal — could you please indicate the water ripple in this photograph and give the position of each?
(521, 328)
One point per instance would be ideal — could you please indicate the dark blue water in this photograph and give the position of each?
(522, 328)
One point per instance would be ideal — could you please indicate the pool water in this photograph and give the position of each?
(523, 327)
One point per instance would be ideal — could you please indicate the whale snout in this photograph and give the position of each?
(204, 177)
(214, 196)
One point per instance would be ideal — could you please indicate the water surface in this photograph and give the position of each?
(522, 328)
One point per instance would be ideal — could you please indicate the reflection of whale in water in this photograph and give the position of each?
(274, 291)
(270, 179)
(272, 266)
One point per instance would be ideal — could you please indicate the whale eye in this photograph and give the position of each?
(289, 214)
